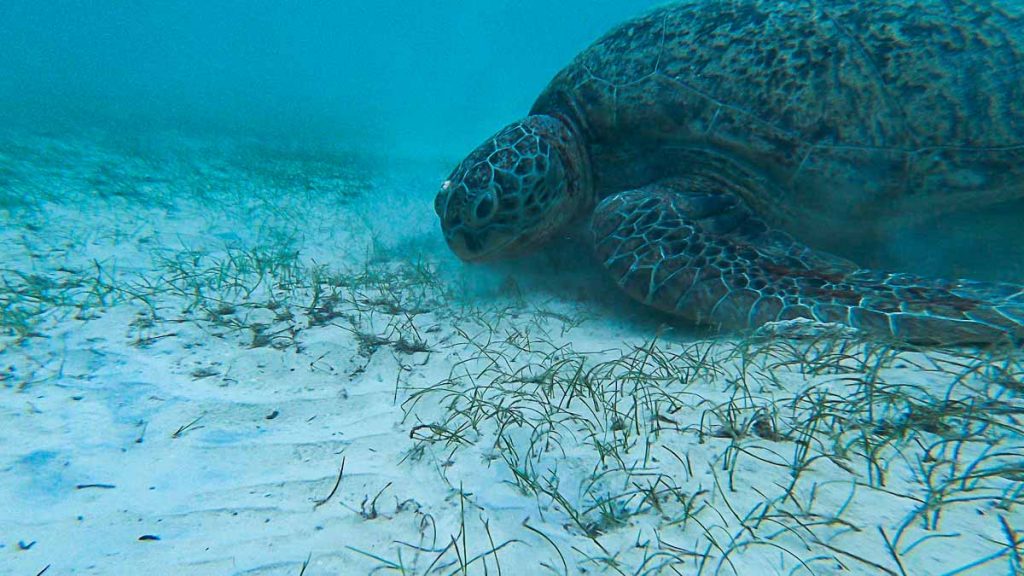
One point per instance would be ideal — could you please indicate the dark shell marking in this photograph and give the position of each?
(869, 112)
(843, 122)
(843, 125)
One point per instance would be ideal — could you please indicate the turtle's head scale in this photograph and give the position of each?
(515, 190)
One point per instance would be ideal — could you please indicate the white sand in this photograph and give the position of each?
(187, 418)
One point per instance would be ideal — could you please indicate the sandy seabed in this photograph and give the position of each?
(222, 356)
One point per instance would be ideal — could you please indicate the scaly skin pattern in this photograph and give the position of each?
(730, 145)
(515, 190)
(864, 115)
(701, 255)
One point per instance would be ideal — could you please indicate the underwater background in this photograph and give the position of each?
(233, 340)
(416, 76)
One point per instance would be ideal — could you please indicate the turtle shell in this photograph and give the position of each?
(834, 112)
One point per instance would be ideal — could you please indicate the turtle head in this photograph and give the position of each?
(516, 190)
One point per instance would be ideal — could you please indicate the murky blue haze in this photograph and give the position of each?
(421, 75)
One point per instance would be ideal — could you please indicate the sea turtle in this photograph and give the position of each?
(724, 150)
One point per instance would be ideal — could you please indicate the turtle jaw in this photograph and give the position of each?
(478, 247)
(469, 247)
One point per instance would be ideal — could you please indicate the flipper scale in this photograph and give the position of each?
(711, 261)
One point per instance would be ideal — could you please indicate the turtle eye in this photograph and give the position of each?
(485, 208)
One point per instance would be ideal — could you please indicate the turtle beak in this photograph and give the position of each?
(469, 245)
(465, 246)
(470, 239)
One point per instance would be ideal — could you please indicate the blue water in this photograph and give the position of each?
(414, 74)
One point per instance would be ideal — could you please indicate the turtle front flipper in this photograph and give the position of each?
(702, 255)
